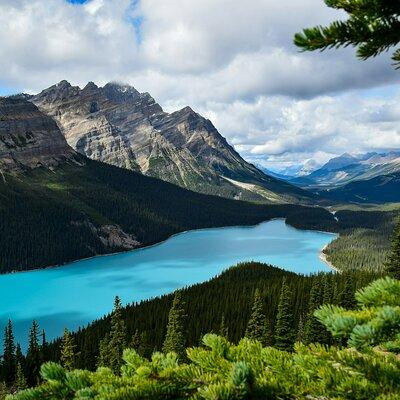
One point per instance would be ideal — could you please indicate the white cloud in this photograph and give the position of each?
(232, 60)
(278, 131)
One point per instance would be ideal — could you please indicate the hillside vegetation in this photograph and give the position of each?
(364, 239)
(52, 217)
(365, 366)
(228, 298)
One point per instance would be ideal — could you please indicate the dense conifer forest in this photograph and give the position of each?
(50, 218)
(222, 305)
(364, 240)
(72, 205)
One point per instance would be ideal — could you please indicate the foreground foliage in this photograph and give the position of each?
(228, 298)
(372, 26)
(225, 371)
(369, 369)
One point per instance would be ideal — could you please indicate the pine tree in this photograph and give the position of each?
(9, 362)
(346, 296)
(300, 330)
(68, 354)
(145, 348)
(223, 329)
(372, 26)
(328, 289)
(326, 337)
(88, 355)
(20, 380)
(284, 331)
(393, 262)
(33, 359)
(104, 352)
(257, 328)
(135, 342)
(43, 348)
(175, 336)
(113, 345)
(19, 357)
(313, 330)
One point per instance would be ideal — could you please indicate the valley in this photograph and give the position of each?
(199, 200)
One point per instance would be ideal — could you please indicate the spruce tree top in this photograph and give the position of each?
(373, 26)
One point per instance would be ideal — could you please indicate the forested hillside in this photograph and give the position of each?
(365, 365)
(381, 189)
(51, 217)
(364, 239)
(225, 303)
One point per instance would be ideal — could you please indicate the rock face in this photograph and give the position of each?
(29, 138)
(118, 125)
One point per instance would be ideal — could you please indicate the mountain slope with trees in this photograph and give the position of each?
(382, 189)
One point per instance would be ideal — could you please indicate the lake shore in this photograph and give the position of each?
(323, 257)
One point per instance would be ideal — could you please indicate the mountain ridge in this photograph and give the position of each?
(347, 168)
(119, 125)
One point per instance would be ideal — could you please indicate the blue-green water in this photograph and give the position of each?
(75, 294)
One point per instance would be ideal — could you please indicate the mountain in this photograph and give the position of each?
(57, 205)
(348, 168)
(118, 125)
(339, 162)
(29, 139)
(380, 189)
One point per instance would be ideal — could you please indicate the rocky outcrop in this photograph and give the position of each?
(118, 125)
(29, 138)
(111, 236)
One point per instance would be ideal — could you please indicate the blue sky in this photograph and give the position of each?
(230, 60)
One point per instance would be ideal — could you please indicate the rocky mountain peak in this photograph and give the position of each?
(119, 92)
(339, 162)
(117, 124)
(90, 86)
(59, 92)
(63, 84)
(28, 138)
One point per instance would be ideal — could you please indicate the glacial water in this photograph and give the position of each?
(77, 293)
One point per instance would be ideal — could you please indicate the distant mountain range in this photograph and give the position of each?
(380, 189)
(118, 125)
(348, 168)
(292, 171)
(370, 177)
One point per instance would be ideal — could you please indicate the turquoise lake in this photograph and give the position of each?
(77, 293)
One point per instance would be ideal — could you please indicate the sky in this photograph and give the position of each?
(232, 61)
